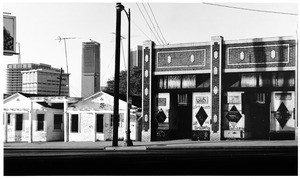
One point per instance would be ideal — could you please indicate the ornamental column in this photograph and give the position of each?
(147, 90)
(216, 87)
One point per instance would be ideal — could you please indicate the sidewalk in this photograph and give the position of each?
(107, 145)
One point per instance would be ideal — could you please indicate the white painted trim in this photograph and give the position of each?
(181, 72)
(252, 46)
(267, 69)
(192, 44)
(204, 62)
(267, 39)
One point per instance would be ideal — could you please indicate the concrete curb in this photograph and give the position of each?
(126, 148)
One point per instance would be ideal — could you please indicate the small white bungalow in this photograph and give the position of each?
(91, 119)
(32, 118)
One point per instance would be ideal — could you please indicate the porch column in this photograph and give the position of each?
(216, 87)
(95, 127)
(5, 126)
(30, 115)
(66, 122)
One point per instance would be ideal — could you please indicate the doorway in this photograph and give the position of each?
(256, 107)
(180, 123)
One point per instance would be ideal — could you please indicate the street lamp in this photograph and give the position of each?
(128, 141)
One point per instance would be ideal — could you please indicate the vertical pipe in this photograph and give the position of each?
(66, 55)
(117, 69)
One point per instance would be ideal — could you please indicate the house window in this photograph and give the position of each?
(100, 123)
(19, 122)
(57, 121)
(40, 122)
(74, 123)
(8, 119)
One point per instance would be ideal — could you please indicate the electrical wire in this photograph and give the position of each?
(247, 9)
(123, 55)
(147, 23)
(152, 23)
(141, 30)
(157, 24)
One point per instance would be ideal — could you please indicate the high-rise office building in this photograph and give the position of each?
(45, 82)
(90, 78)
(136, 57)
(14, 81)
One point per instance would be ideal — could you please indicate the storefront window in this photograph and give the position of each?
(174, 82)
(189, 81)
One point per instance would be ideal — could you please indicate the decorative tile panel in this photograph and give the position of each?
(183, 58)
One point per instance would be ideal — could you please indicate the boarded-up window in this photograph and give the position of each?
(74, 123)
(40, 122)
(57, 121)
(99, 122)
(19, 122)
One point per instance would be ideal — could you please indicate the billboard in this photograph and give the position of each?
(9, 35)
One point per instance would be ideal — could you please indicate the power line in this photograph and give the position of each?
(123, 55)
(157, 23)
(148, 23)
(141, 30)
(247, 9)
(152, 23)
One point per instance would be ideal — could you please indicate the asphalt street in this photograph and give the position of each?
(181, 158)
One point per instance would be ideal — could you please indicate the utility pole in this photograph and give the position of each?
(65, 38)
(117, 71)
(60, 79)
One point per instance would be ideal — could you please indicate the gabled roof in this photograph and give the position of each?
(52, 105)
(99, 101)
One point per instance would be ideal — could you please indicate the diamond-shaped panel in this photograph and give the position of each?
(233, 115)
(282, 115)
(161, 117)
(201, 116)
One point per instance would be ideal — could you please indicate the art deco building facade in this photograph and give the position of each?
(220, 90)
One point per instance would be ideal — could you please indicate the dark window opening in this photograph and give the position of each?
(57, 121)
(100, 123)
(19, 122)
(8, 119)
(74, 123)
(40, 124)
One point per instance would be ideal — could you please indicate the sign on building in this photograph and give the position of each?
(9, 35)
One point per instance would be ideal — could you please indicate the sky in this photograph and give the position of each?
(39, 24)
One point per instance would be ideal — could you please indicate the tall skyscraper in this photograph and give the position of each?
(35, 78)
(136, 57)
(90, 78)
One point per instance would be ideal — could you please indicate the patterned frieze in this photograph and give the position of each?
(260, 54)
(181, 59)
